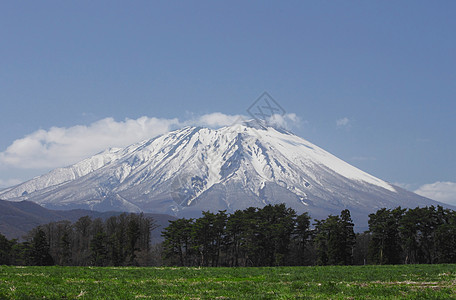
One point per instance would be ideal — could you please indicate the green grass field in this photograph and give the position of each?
(333, 282)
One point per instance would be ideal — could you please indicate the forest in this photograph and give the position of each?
(117, 241)
(270, 236)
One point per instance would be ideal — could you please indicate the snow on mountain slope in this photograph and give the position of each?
(62, 175)
(194, 169)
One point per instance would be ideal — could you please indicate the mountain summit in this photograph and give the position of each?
(193, 169)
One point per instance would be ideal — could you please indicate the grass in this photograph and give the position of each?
(332, 282)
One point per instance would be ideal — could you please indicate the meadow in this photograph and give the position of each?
(325, 282)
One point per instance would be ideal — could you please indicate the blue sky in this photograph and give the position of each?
(373, 82)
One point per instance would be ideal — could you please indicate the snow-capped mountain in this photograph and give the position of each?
(193, 169)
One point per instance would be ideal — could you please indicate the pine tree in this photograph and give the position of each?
(98, 249)
(302, 236)
(40, 249)
(5, 250)
(335, 239)
(385, 244)
(177, 246)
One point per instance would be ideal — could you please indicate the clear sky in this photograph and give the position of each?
(373, 82)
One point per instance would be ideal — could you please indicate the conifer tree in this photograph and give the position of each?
(40, 249)
(5, 250)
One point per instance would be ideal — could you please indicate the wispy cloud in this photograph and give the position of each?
(214, 120)
(287, 121)
(9, 182)
(60, 146)
(441, 191)
(405, 186)
(343, 122)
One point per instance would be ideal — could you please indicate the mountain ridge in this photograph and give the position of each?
(193, 169)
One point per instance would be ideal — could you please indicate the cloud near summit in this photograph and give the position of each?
(60, 146)
(441, 191)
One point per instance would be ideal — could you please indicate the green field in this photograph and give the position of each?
(332, 282)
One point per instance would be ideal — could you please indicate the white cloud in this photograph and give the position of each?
(344, 122)
(286, 121)
(9, 182)
(441, 191)
(216, 119)
(59, 146)
(405, 186)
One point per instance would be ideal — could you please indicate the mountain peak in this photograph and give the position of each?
(193, 169)
(263, 125)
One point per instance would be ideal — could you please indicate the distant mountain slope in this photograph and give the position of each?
(18, 218)
(193, 169)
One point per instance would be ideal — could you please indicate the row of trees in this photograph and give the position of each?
(276, 235)
(116, 241)
(268, 236)
(421, 235)
(249, 237)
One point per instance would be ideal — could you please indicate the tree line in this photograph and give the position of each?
(269, 236)
(412, 236)
(117, 241)
(276, 235)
